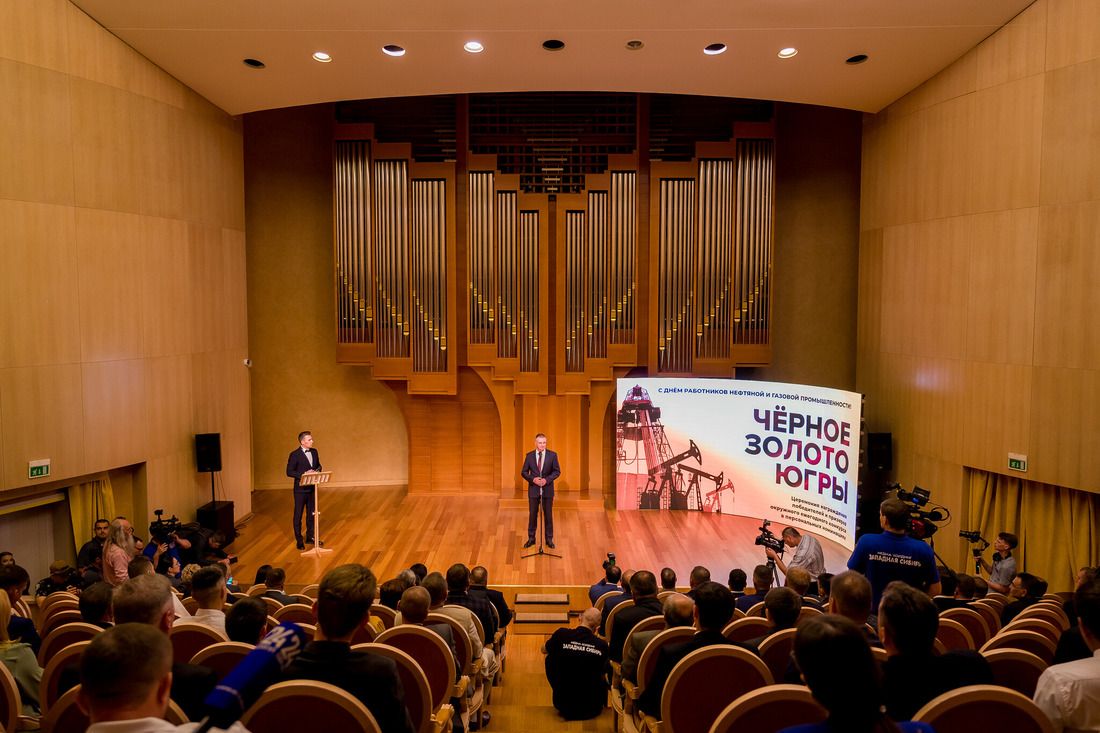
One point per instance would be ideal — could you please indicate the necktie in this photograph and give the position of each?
(540, 463)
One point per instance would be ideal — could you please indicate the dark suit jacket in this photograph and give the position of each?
(191, 683)
(650, 701)
(627, 619)
(504, 614)
(22, 629)
(297, 464)
(911, 680)
(281, 597)
(550, 471)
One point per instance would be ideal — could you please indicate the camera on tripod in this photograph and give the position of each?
(769, 540)
(161, 529)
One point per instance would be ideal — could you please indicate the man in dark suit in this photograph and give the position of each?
(643, 591)
(479, 588)
(276, 579)
(303, 460)
(540, 468)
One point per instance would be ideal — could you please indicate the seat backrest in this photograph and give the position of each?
(63, 602)
(49, 601)
(61, 616)
(464, 648)
(776, 652)
(430, 652)
(954, 635)
(308, 705)
(1030, 641)
(481, 630)
(11, 702)
(972, 621)
(611, 617)
(704, 682)
(746, 628)
(51, 673)
(665, 594)
(257, 590)
(222, 657)
(603, 599)
(756, 609)
(298, 613)
(1047, 612)
(769, 709)
(363, 635)
(189, 638)
(983, 707)
(807, 612)
(989, 614)
(64, 715)
(1015, 669)
(312, 590)
(387, 614)
(272, 605)
(191, 605)
(1038, 624)
(647, 662)
(62, 637)
(310, 630)
(418, 694)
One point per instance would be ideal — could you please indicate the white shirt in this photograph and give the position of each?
(155, 725)
(1069, 694)
(808, 555)
(211, 617)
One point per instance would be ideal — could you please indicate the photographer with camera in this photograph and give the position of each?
(610, 582)
(807, 553)
(1003, 569)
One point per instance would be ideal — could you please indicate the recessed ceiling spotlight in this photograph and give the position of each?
(321, 56)
(859, 58)
(391, 49)
(553, 45)
(788, 52)
(714, 49)
(474, 47)
(634, 45)
(254, 63)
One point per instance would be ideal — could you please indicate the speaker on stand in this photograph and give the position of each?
(217, 515)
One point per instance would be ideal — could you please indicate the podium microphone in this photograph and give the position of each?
(263, 667)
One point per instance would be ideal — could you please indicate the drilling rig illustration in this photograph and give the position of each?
(669, 480)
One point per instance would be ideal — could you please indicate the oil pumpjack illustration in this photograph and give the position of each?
(670, 482)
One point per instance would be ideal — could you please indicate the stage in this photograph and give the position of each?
(388, 530)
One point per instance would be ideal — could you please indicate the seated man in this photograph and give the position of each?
(436, 586)
(613, 600)
(713, 610)
(668, 579)
(414, 605)
(678, 610)
(62, 579)
(575, 661)
(643, 590)
(699, 575)
(761, 582)
(389, 593)
(981, 587)
(798, 580)
(1068, 693)
(96, 606)
(1026, 590)
(208, 588)
(781, 609)
(343, 603)
(276, 579)
(913, 675)
(850, 596)
(458, 594)
(824, 585)
(246, 620)
(949, 586)
(94, 572)
(737, 581)
(479, 588)
(610, 582)
(14, 581)
(126, 678)
(1071, 645)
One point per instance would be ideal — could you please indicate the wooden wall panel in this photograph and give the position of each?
(108, 167)
(1071, 156)
(44, 402)
(1065, 420)
(996, 414)
(168, 399)
(36, 113)
(114, 414)
(34, 34)
(943, 152)
(165, 286)
(96, 55)
(1016, 51)
(1006, 155)
(1071, 32)
(109, 249)
(208, 296)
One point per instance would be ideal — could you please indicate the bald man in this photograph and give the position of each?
(575, 660)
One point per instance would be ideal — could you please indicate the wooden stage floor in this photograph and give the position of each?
(387, 530)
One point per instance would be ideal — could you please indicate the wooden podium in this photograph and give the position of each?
(315, 480)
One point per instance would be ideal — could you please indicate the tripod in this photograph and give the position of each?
(539, 522)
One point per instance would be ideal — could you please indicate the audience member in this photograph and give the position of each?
(63, 578)
(668, 579)
(964, 587)
(409, 577)
(1026, 590)
(713, 610)
(781, 609)
(912, 675)
(261, 574)
(737, 580)
(808, 553)
(20, 660)
(1069, 693)
(613, 600)
(343, 603)
(824, 586)
(1084, 575)
(6, 558)
(458, 594)
(949, 588)
(214, 551)
(699, 574)
(850, 596)
(246, 620)
(95, 605)
(414, 605)
(140, 565)
(14, 581)
(643, 590)
(118, 551)
(761, 582)
(798, 580)
(981, 588)
(1003, 569)
(389, 593)
(575, 661)
(276, 579)
(185, 578)
(208, 588)
(94, 547)
(436, 586)
(894, 556)
(479, 588)
(608, 584)
(94, 572)
(126, 681)
(420, 570)
(834, 660)
(678, 610)
(1071, 645)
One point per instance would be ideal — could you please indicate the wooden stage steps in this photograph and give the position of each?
(540, 613)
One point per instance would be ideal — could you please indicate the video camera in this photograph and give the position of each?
(769, 540)
(162, 528)
(922, 524)
(608, 562)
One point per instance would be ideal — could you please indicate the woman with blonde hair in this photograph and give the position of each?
(18, 657)
(118, 551)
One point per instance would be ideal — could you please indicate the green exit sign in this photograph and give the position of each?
(1017, 462)
(38, 469)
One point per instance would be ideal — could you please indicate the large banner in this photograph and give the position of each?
(784, 452)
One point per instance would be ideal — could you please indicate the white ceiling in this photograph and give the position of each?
(203, 43)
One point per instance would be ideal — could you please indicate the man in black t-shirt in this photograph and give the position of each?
(575, 660)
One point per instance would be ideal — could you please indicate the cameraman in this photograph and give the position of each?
(809, 554)
(1003, 569)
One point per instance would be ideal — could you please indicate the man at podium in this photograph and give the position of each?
(303, 460)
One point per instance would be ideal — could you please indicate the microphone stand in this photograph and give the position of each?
(540, 521)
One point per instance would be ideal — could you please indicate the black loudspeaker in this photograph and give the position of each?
(880, 451)
(218, 515)
(208, 452)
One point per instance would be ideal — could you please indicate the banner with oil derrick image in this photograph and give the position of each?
(785, 452)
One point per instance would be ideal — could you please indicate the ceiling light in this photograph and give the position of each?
(634, 45)
(788, 52)
(714, 49)
(553, 45)
(253, 63)
(321, 56)
(474, 47)
(859, 58)
(391, 49)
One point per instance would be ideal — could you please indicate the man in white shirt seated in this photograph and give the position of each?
(208, 589)
(1069, 693)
